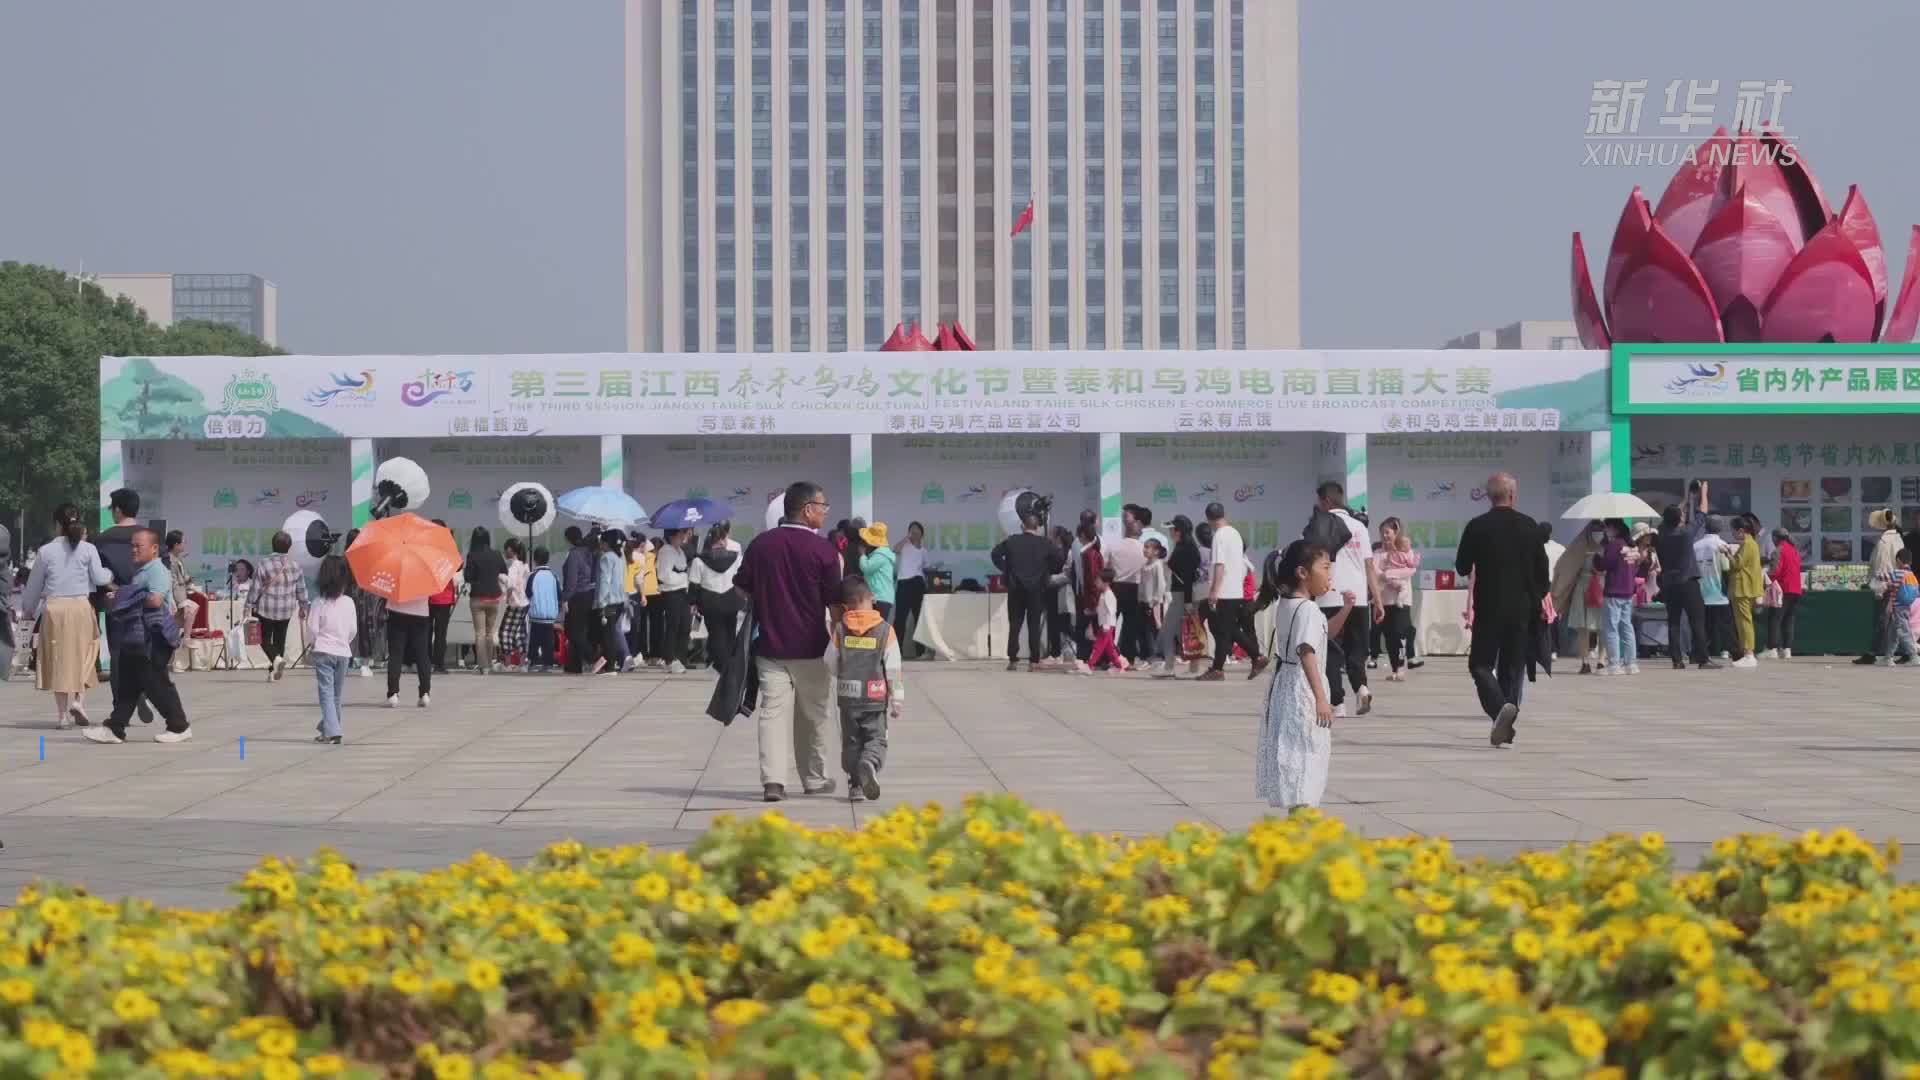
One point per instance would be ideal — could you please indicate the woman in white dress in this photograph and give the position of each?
(1296, 733)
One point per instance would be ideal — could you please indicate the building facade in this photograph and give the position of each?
(804, 174)
(246, 302)
(1526, 334)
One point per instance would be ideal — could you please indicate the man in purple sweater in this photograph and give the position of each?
(793, 575)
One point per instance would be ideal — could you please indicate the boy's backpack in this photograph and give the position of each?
(1325, 529)
(1907, 589)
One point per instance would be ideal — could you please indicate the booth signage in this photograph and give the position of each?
(985, 393)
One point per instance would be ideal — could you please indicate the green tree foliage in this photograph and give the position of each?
(53, 330)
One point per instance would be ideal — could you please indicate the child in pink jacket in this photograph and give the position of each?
(1399, 564)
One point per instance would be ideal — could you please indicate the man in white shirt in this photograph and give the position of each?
(1354, 571)
(1226, 596)
(1126, 557)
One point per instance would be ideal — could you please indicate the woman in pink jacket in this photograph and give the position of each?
(1399, 565)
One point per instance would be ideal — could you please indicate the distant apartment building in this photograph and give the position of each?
(804, 174)
(1526, 334)
(246, 302)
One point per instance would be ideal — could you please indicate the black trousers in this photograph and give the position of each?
(1229, 629)
(1719, 628)
(148, 675)
(723, 637)
(273, 638)
(612, 644)
(1683, 602)
(636, 627)
(441, 614)
(1497, 660)
(1025, 607)
(583, 626)
(1780, 622)
(1135, 638)
(678, 624)
(1059, 627)
(539, 644)
(1347, 651)
(909, 598)
(1398, 633)
(407, 640)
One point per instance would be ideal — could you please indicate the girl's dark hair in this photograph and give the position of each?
(1300, 555)
(1392, 523)
(514, 547)
(175, 538)
(67, 518)
(1088, 533)
(347, 540)
(481, 538)
(1183, 525)
(334, 578)
(1203, 534)
(616, 541)
(1062, 536)
(720, 531)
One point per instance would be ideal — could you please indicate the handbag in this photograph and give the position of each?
(1596, 593)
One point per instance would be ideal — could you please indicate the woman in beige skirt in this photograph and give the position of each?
(66, 572)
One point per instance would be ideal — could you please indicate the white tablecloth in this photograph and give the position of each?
(1439, 622)
(973, 626)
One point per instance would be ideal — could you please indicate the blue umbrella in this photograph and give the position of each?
(690, 514)
(603, 506)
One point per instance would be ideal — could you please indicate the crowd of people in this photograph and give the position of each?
(807, 621)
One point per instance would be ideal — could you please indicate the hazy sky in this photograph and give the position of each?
(446, 175)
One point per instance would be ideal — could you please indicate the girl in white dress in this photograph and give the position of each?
(1296, 733)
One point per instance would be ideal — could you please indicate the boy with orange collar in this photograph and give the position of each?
(864, 664)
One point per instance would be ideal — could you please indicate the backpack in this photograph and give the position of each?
(1908, 589)
(1326, 530)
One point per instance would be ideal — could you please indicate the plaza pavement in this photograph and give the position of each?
(508, 763)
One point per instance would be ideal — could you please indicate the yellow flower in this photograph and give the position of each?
(1872, 999)
(1345, 880)
(689, 902)
(1708, 995)
(1107, 1000)
(277, 1042)
(1758, 1056)
(630, 949)
(279, 1069)
(651, 887)
(1623, 894)
(1609, 1072)
(1429, 924)
(452, 1067)
(133, 1006)
(1313, 1065)
(649, 1036)
(1633, 1020)
(482, 974)
(1105, 1061)
(1341, 989)
(1503, 1046)
(16, 991)
(1652, 843)
(819, 995)
(76, 1052)
(1586, 1038)
(326, 1065)
(738, 1012)
(1526, 945)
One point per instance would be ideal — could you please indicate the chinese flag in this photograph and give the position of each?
(1025, 219)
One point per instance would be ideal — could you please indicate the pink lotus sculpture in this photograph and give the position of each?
(1744, 247)
(948, 337)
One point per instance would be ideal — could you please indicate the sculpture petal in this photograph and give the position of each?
(1825, 295)
(1857, 222)
(966, 340)
(1661, 296)
(1741, 254)
(896, 341)
(1755, 169)
(1629, 238)
(944, 340)
(1807, 196)
(1586, 307)
(1694, 194)
(1906, 307)
(915, 341)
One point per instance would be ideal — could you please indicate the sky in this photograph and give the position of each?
(446, 175)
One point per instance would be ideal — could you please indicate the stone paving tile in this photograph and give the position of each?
(508, 764)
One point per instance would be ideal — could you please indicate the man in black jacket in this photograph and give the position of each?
(1027, 560)
(1501, 551)
(1681, 527)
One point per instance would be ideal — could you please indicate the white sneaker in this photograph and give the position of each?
(99, 733)
(1633, 669)
(366, 671)
(1340, 709)
(1749, 661)
(174, 736)
(393, 701)
(676, 668)
(65, 723)
(1786, 654)
(426, 700)
(279, 670)
(1366, 701)
(1167, 668)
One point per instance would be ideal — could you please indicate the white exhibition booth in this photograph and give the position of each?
(225, 448)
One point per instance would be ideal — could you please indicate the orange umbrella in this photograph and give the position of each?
(404, 557)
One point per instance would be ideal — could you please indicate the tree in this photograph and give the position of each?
(53, 331)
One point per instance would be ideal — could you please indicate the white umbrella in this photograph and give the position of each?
(1610, 504)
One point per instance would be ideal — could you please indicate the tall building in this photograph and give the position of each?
(1526, 334)
(246, 302)
(804, 174)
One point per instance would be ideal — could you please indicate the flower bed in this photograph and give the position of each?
(991, 941)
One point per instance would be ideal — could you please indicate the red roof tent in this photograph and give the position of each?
(948, 337)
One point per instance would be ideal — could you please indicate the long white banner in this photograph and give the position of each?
(983, 393)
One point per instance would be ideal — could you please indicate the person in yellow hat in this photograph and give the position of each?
(877, 566)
